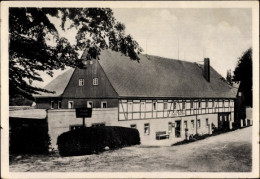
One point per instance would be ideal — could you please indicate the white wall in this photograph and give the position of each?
(60, 120)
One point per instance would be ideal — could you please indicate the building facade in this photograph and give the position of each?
(155, 95)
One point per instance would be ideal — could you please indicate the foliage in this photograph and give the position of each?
(20, 101)
(35, 44)
(29, 136)
(229, 78)
(243, 74)
(89, 140)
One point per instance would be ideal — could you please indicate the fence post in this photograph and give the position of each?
(245, 122)
(230, 125)
(241, 122)
(187, 137)
(210, 129)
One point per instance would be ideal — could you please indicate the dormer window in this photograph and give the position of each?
(81, 82)
(95, 81)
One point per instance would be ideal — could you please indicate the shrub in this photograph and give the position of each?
(89, 140)
(29, 137)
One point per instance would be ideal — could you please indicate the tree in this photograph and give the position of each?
(229, 78)
(243, 74)
(35, 44)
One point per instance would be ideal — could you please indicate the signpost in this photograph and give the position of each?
(83, 112)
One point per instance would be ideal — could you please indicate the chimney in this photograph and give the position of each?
(207, 69)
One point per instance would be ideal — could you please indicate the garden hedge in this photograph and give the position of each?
(28, 136)
(89, 140)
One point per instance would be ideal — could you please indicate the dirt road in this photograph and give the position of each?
(229, 152)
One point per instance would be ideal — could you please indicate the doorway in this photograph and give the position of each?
(178, 129)
(223, 120)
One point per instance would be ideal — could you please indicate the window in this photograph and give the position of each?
(198, 121)
(142, 106)
(185, 125)
(183, 105)
(165, 106)
(147, 129)
(90, 104)
(191, 104)
(70, 104)
(174, 104)
(207, 122)
(192, 124)
(103, 104)
(199, 104)
(95, 81)
(81, 82)
(52, 104)
(154, 106)
(170, 126)
(59, 104)
(133, 126)
(130, 107)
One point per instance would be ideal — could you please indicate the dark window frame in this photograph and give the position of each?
(147, 125)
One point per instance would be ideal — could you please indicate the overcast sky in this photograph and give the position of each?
(221, 34)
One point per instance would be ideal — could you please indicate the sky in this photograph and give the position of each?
(189, 34)
(220, 34)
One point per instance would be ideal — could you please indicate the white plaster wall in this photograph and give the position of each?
(60, 120)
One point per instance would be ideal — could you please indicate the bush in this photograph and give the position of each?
(29, 137)
(89, 140)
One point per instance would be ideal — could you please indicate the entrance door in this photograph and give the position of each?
(223, 121)
(178, 129)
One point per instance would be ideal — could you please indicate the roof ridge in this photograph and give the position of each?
(166, 58)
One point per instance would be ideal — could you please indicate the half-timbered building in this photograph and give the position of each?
(155, 95)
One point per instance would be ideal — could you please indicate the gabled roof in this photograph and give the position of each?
(161, 77)
(58, 84)
(153, 76)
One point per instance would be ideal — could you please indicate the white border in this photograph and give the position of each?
(129, 4)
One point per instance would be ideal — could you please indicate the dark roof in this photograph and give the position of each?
(58, 84)
(153, 76)
(161, 77)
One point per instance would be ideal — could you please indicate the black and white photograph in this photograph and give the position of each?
(129, 89)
